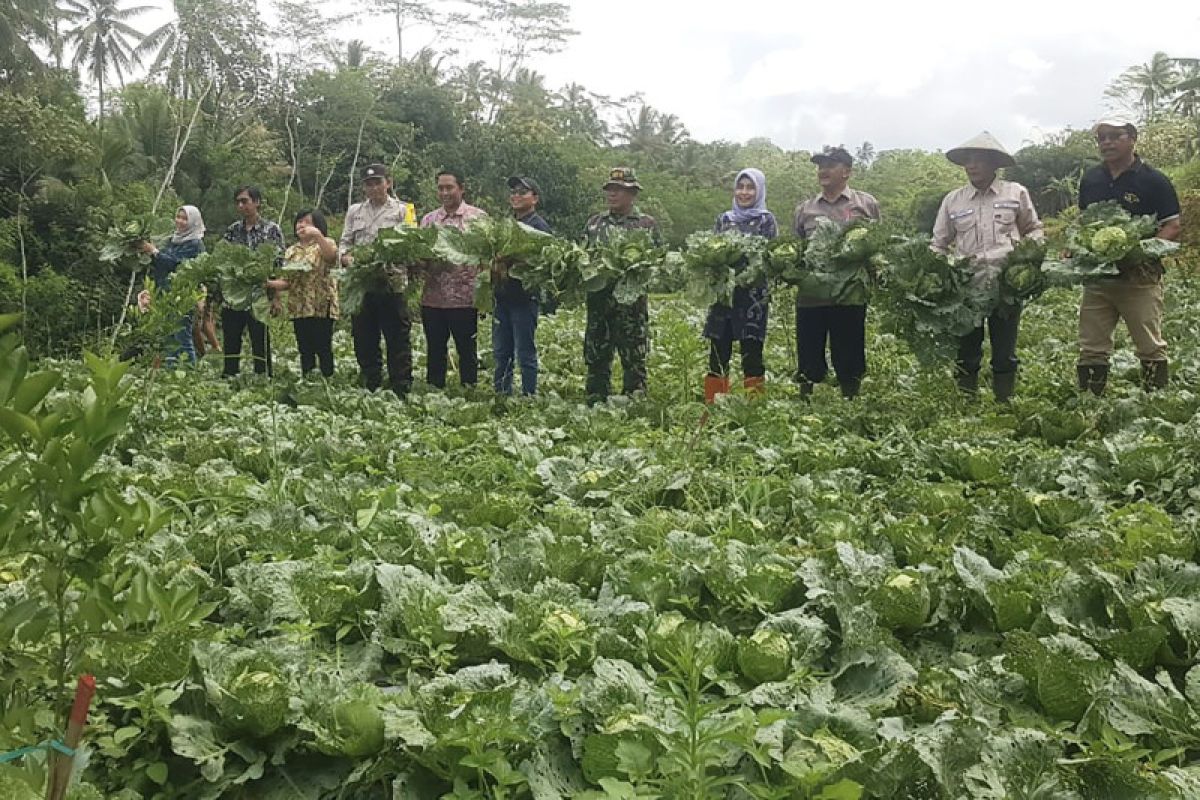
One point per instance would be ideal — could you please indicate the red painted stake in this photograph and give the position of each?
(61, 765)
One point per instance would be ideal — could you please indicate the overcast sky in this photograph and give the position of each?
(926, 74)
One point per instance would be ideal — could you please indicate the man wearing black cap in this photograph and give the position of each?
(515, 315)
(843, 326)
(611, 326)
(384, 312)
(1136, 296)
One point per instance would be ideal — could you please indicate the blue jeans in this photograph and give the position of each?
(182, 344)
(513, 326)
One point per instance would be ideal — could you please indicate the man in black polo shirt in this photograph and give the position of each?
(1136, 297)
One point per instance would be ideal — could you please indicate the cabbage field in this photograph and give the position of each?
(291, 589)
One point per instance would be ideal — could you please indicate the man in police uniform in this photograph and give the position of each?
(983, 221)
(611, 325)
(817, 322)
(383, 312)
(1135, 296)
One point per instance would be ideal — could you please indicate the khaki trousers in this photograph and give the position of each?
(1100, 308)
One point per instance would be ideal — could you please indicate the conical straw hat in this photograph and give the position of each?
(984, 141)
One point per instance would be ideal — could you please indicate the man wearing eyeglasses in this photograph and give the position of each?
(1135, 296)
(251, 230)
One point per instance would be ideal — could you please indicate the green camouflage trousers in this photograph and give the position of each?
(612, 326)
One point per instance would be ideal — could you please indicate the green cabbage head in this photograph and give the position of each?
(353, 728)
(903, 601)
(250, 693)
(1110, 243)
(765, 656)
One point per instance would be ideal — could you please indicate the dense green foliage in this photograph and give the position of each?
(294, 584)
(297, 589)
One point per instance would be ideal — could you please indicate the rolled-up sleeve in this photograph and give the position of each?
(798, 221)
(1028, 222)
(347, 238)
(873, 209)
(1166, 200)
(943, 231)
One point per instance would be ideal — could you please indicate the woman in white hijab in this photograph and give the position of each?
(187, 242)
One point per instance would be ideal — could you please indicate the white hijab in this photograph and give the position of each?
(194, 229)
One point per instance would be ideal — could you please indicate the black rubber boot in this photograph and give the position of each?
(1003, 385)
(1155, 375)
(968, 382)
(1093, 378)
(850, 387)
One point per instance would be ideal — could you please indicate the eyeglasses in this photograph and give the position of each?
(520, 191)
(1111, 137)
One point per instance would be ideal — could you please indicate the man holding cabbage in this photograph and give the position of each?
(983, 221)
(1136, 295)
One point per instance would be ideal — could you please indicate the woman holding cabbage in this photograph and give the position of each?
(745, 321)
(312, 291)
(187, 242)
(983, 221)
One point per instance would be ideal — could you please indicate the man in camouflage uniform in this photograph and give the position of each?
(612, 325)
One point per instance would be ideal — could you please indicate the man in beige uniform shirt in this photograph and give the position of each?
(843, 326)
(384, 311)
(983, 221)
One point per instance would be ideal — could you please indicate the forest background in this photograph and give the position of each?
(224, 97)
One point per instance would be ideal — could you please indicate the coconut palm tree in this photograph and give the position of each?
(23, 22)
(470, 83)
(579, 115)
(104, 41)
(865, 154)
(1187, 89)
(652, 133)
(209, 41)
(1147, 88)
(639, 131)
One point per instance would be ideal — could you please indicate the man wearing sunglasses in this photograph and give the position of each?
(1136, 296)
(515, 316)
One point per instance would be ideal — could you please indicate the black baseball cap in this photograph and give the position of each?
(521, 182)
(838, 155)
(374, 171)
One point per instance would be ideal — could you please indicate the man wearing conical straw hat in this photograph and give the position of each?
(983, 221)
